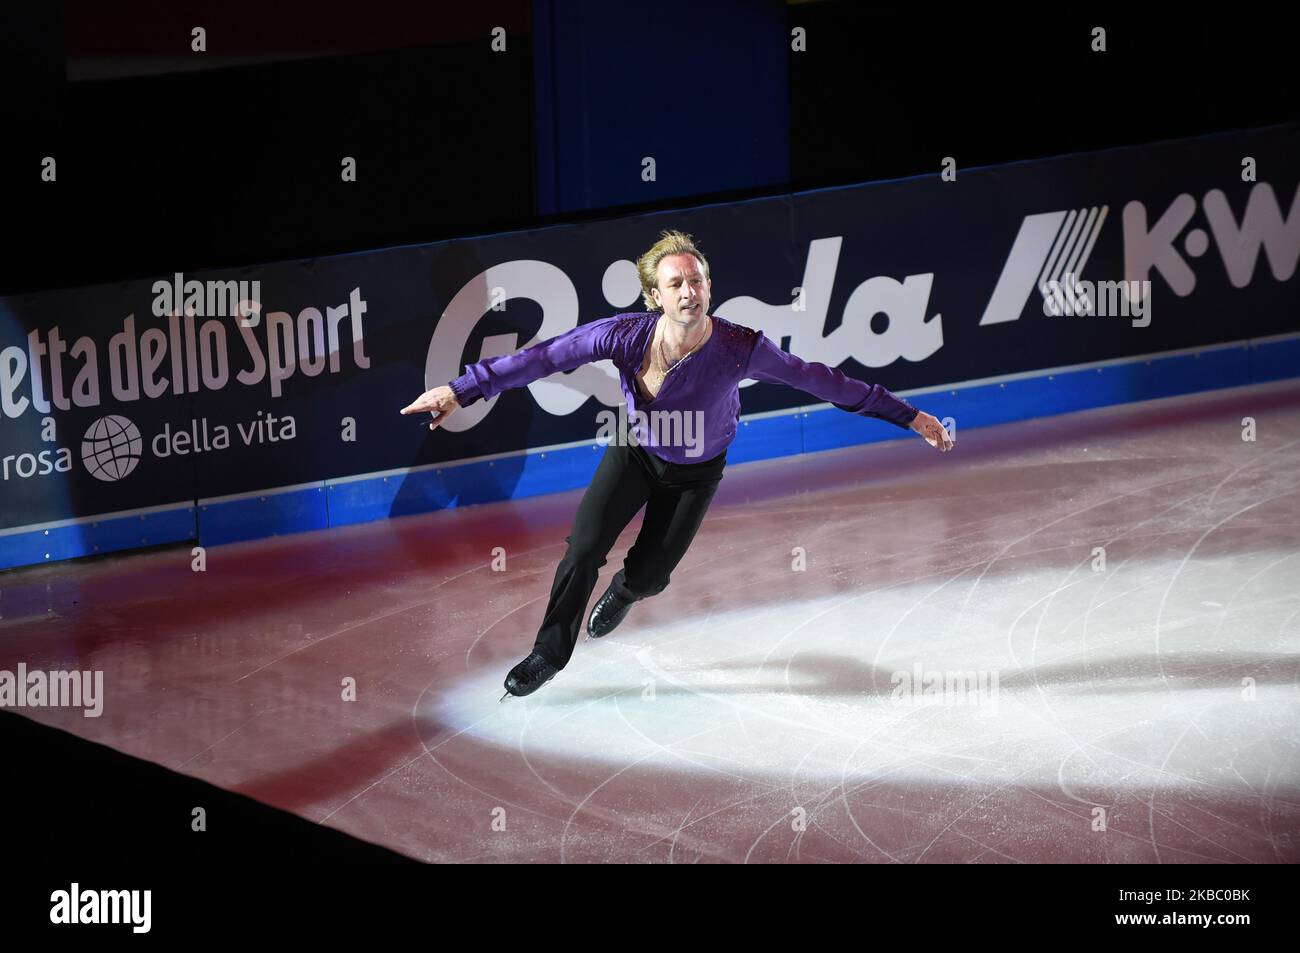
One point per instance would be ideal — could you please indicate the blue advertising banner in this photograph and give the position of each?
(156, 410)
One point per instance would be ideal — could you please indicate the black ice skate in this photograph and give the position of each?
(607, 614)
(529, 675)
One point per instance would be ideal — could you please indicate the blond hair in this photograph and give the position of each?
(671, 242)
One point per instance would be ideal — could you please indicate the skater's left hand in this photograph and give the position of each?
(935, 433)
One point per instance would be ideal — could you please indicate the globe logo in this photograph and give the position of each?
(111, 448)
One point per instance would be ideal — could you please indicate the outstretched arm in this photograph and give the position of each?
(769, 363)
(492, 375)
(564, 352)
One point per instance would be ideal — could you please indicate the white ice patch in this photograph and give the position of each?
(1124, 681)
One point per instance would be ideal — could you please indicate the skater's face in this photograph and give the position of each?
(683, 290)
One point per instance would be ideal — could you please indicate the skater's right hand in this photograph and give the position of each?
(935, 433)
(440, 402)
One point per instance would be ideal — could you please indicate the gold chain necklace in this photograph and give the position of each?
(663, 360)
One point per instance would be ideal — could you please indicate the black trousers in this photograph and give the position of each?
(675, 497)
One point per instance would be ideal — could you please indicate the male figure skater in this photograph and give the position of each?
(674, 358)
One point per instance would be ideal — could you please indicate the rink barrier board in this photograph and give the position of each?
(93, 536)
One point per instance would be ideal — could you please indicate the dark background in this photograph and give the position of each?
(170, 160)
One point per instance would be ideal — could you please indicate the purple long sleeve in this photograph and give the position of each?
(769, 363)
(492, 375)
